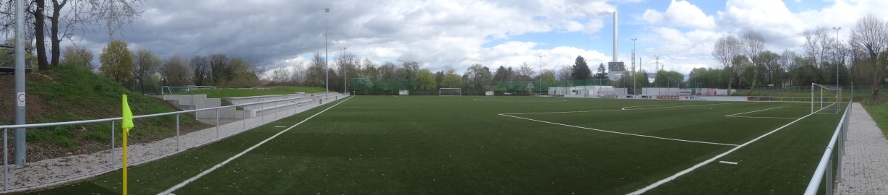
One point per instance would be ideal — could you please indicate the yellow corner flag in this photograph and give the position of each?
(127, 124)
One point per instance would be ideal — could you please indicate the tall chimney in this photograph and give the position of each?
(615, 37)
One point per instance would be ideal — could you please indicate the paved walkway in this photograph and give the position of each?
(50, 172)
(865, 164)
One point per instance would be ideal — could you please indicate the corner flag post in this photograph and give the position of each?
(127, 124)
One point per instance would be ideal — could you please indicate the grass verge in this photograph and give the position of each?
(279, 90)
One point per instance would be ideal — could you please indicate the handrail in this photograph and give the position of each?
(139, 116)
(826, 160)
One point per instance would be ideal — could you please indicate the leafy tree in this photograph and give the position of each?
(477, 79)
(425, 80)
(117, 63)
(580, 70)
(176, 71)
(77, 56)
(451, 79)
(753, 43)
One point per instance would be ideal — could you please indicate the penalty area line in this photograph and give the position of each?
(695, 167)
(619, 133)
(189, 180)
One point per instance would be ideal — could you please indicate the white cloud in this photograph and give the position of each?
(681, 13)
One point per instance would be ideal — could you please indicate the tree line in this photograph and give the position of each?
(825, 60)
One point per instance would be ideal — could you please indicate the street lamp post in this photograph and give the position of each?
(541, 75)
(326, 69)
(344, 72)
(633, 66)
(837, 63)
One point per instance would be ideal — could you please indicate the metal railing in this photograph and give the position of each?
(834, 151)
(309, 98)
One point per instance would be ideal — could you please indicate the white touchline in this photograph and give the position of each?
(615, 132)
(727, 162)
(661, 107)
(680, 173)
(189, 180)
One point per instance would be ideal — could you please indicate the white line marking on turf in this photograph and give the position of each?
(480, 100)
(762, 117)
(621, 133)
(686, 171)
(662, 107)
(727, 162)
(280, 126)
(189, 180)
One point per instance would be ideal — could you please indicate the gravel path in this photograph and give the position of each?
(865, 162)
(53, 172)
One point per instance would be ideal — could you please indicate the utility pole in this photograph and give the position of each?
(19, 82)
(658, 62)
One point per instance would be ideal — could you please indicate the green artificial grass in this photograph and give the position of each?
(279, 90)
(461, 145)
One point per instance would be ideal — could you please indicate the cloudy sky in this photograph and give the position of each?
(455, 34)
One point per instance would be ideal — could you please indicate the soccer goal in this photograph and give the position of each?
(450, 91)
(826, 99)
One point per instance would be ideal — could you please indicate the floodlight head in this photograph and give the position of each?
(326, 9)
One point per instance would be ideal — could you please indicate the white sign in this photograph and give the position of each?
(20, 99)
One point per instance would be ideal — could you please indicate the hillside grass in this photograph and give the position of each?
(878, 109)
(69, 93)
(277, 90)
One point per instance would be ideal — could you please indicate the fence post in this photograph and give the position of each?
(828, 182)
(5, 163)
(112, 143)
(244, 114)
(177, 132)
(217, 123)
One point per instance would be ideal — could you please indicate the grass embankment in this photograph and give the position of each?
(69, 94)
(879, 111)
(279, 90)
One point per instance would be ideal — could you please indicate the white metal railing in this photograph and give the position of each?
(319, 97)
(824, 171)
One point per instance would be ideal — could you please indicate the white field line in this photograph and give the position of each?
(186, 182)
(663, 107)
(480, 100)
(680, 173)
(620, 133)
(735, 115)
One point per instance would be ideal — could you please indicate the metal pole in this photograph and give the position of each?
(177, 132)
(828, 182)
(5, 161)
(837, 63)
(20, 81)
(217, 123)
(541, 75)
(344, 72)
(327, 70)
(633, 66)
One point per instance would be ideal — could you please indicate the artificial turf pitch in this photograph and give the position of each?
(510, 145)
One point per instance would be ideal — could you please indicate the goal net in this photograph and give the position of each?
(450, 91)
(826, 99)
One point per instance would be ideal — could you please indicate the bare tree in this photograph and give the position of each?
(753, 45)
(871, 36)
(280, 75)
(176, 71)
(201, 67)
(297, 76)
(146, 64)
(315, 74)
(526, 70)
(65, 17)
(726, 48)
(787, 62)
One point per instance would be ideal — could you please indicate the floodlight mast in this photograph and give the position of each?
(327, 70)
(837, 63)
(19, 82)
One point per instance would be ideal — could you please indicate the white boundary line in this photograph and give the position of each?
(680, 173)
(480, 100)
(662, 107)
(761, 117)
(620, 133)
(189, 180)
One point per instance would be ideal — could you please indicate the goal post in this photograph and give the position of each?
(450, 91)
(826, 99)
